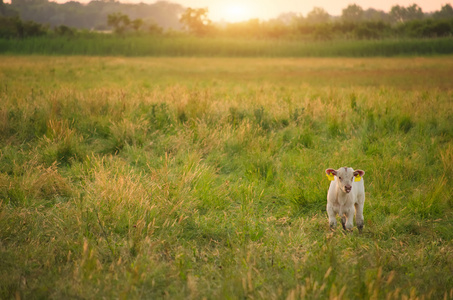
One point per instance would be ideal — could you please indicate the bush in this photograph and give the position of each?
(30, 29)
(64, 30)
(323, 32)
(13, 27)
(428, 28)
(441, 28)
(8, 27)
(371, 30)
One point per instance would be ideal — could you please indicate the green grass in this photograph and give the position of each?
(100, 44)
(204, 177)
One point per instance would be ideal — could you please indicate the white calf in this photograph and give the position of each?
(346, 191)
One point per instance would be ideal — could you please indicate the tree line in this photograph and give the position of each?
(24, 18)
(354, 22)
(93, 15)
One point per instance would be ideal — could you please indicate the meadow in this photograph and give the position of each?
(97, 44)
(176, 178)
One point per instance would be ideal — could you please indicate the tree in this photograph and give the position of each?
(28, 2)
(288, 18)
(6, 10)
(352, 13)
(137, 24)
(446, 12)
(155, 29)
(196, 20)
(120, 22)
(400, 14)
(414, 12)
(318, 15)
(372, 14)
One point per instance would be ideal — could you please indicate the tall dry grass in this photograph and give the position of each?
(192, 178)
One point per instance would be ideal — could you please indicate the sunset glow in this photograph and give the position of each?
(237, 12)
(232, 12)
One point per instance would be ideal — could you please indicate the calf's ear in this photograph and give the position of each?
(359, 173)
(332, 171)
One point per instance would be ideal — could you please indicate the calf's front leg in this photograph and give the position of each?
(331, 214)
(347, 215)
(359, 216)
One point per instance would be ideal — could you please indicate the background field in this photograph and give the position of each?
(111, 45)
(204, 177)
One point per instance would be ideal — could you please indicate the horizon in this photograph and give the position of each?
(238, 11)
(223, 10)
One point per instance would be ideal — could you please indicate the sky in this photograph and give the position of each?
(237, 10)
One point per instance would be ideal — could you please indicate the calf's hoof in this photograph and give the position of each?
(360, 227)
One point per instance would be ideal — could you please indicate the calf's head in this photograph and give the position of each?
(345, 177)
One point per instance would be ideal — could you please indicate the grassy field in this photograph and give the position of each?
(177, 178)
(112, 45)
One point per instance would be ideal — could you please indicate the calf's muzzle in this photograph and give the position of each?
(347, 188)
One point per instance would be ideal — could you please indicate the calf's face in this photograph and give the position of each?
(345, 177)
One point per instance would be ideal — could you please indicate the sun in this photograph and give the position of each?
(236, 12)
